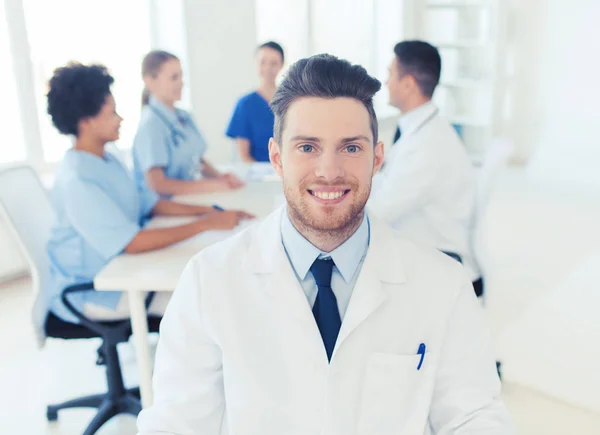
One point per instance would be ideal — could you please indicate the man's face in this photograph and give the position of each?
(326, 160)
(398, 84)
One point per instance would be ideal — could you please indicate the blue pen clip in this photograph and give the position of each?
(421, 351)
(216, 207)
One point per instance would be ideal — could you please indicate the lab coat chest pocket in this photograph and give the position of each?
(395, 396)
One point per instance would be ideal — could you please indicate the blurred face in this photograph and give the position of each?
(399, 85)
(168, 82)
(326, 160)
(269, 64)
(105, 125)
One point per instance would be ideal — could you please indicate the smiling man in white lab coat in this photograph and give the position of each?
(426, 189)
(321, 319)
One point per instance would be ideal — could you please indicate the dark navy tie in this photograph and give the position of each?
(397, 135)
(325, 309)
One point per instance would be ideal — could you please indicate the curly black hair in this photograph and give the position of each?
(77, 92)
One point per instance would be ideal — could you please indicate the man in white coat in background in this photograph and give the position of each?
(426, 189)
(321, 319)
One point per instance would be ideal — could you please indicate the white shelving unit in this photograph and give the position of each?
(469, 35)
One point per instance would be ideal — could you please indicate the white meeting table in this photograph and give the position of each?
(160, 270)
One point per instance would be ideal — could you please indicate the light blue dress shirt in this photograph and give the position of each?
(166, 139)
(348, 259)
(99, 210)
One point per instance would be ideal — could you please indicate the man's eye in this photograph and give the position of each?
(352, 148)
(306, 148)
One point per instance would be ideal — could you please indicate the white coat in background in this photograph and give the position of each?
(427, 187)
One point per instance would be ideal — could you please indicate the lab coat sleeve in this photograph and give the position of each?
(188, 377)
(406, 184)
(466, 399)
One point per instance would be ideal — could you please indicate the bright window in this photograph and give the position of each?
(285, 22)
(115, 33)
(13, 144)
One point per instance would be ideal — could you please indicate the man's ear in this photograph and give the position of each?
(379, 157)
(275, 156)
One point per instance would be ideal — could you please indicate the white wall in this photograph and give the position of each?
(556, 89)
(221, 39)
(12, 263)
(168, 32)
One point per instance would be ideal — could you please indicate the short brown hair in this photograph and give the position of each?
(324, 76)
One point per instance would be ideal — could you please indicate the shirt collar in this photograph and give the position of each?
(412, 120)
(346, 257)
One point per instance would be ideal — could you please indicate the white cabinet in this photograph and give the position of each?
(470, 37)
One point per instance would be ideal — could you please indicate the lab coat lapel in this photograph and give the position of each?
(266, 256)
(382, 265)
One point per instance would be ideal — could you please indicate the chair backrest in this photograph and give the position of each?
(496, 158)
(26, 207)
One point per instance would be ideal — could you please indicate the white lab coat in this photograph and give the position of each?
(240, 352)
(427, 187)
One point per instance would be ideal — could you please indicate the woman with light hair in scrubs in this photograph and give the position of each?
(168, 149)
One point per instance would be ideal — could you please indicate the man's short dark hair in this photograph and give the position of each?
(77, 92)
(324, 76)
(422, 61)
(273, 46)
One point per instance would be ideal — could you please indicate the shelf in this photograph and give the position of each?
(457, 4)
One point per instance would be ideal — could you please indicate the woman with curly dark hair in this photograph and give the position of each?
(99, 209)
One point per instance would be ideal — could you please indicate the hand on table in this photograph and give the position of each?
(227, 220)
(232, 180)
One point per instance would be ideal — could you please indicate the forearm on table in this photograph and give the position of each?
(157, 238)
(163, 185)
(209, 170)
(165, 207)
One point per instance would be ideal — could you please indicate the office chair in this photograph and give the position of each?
(28, 212)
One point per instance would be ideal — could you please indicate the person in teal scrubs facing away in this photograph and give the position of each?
(168, 149)
(252, 120)
(99, 210)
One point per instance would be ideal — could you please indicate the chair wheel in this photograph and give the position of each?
(51, 414)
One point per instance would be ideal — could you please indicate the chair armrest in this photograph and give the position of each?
(83, 319)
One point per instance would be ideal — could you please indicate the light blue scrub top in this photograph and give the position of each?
(348, 259)
(166, 139)
(99, 210)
